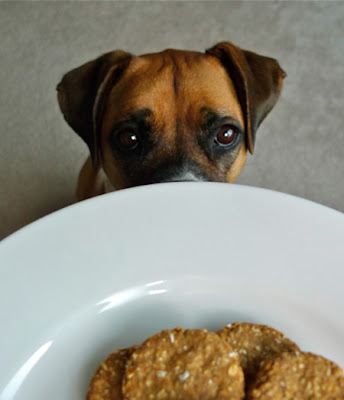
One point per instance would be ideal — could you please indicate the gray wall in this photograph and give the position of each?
(299, 148)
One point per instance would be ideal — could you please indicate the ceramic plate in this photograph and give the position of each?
(111, 271)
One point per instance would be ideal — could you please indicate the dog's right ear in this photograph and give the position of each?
(82, 91)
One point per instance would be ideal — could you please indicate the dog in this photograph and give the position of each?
(169, 116)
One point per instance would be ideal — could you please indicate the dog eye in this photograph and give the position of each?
(128, 140)
(226, 135)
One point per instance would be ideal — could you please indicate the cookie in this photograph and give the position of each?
(254, 344)
(302, 376)
(106, 382)
(183, 364)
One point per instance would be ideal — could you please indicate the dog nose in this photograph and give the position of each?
(186, 177)
(181, 176)
(182, 171)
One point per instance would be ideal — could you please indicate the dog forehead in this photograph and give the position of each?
(174, 84)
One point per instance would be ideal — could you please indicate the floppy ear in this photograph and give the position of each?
(257, 80)
(82, 93)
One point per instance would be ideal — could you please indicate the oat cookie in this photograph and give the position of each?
(181, 364)
(255, 343)
(303, 376)
(106, 382)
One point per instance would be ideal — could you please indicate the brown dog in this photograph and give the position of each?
(169, 116)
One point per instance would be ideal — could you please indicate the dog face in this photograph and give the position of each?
(171, 116)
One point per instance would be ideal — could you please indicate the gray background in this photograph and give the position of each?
(299, 148)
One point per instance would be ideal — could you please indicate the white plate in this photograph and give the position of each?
(111, 271)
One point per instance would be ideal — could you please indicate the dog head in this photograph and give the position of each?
(171, 116)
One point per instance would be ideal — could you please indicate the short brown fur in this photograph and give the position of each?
(178, 88)
(152, 86)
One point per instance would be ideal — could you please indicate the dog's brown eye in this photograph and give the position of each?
(128, 140)
(226, 135)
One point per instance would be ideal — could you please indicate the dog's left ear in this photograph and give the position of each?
(257, 80)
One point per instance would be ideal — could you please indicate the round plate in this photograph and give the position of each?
(111, 271)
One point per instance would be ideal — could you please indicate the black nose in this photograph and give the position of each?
(185, 172)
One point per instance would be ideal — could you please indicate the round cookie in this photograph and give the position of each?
(106, 382)
(183, 364)
(254, 344)
(302, 376)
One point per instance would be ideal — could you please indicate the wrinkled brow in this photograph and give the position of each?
(139, 118)
(213, 119)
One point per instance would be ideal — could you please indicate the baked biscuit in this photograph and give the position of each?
(302, 376)
(183, 364)
(106, 382)
(255, 343)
